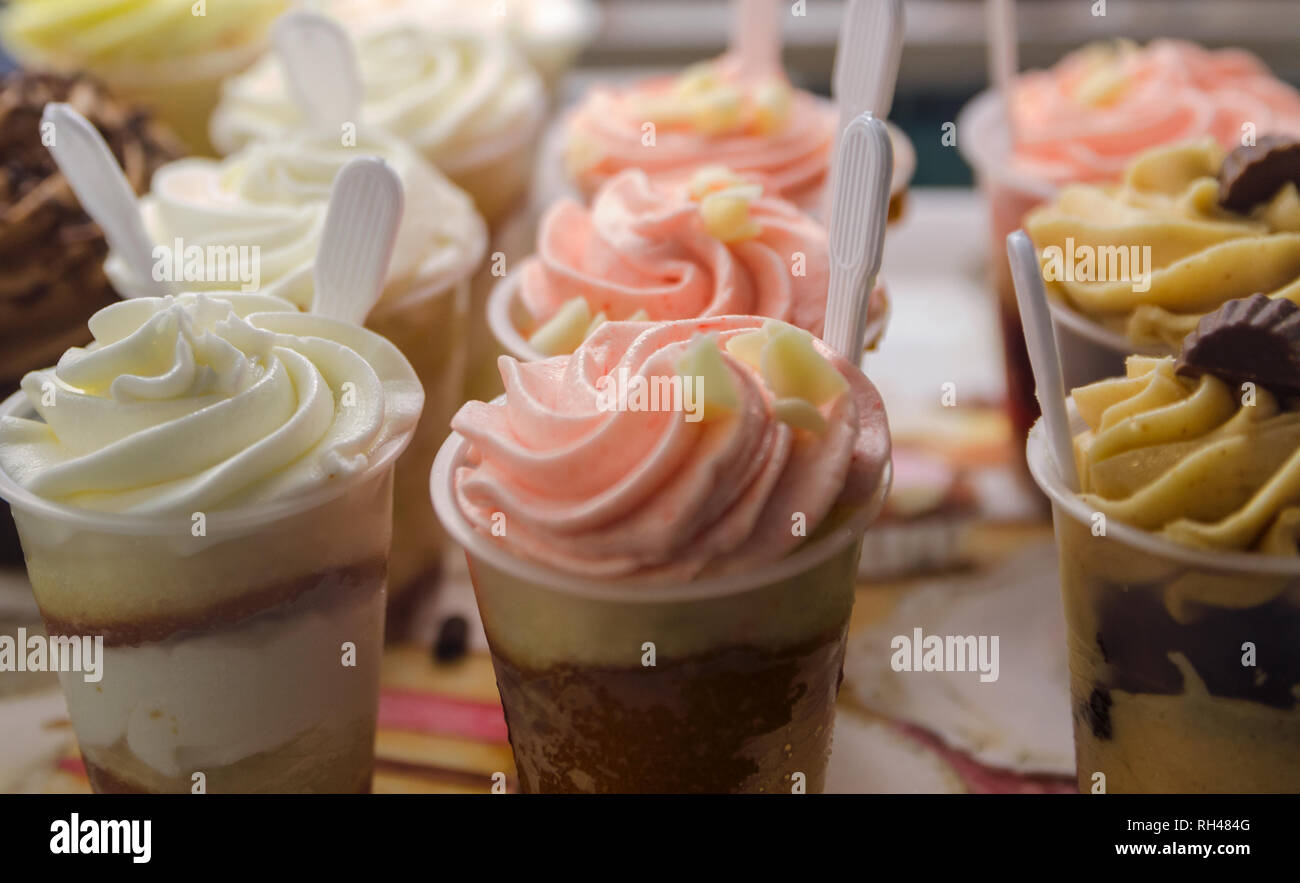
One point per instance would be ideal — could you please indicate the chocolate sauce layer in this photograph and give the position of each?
(736, 719)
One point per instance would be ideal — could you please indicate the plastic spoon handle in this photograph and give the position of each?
(866, 61)
(756, 36)
(1003, 52)
(1040, 337)
(92, 171)
(320, 66)
(365, 212)
(864, 165)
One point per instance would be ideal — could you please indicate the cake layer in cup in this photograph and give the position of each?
(265, 704)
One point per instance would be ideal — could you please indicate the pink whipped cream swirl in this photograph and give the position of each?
(645, 246)
(1087, 117)
(792, 161)
(611, 493)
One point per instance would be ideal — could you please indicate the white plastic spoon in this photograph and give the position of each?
(1003, 51)
(92, 171)
(867, 59)
(320, 66)
(357, 243)
(864, 165)
(756, 36)
(1040, 337)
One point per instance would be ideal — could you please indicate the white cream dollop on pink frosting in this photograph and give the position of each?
(1086, 118)
(613, 493)
(606, 135)
(645, 246)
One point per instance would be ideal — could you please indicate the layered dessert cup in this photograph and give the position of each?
(666, 601)
(52, 252)
(1179, 565)
(202, 489)
(156, 53)
(466, 100)
(717, 245)
(1084, 121)
(262, 211)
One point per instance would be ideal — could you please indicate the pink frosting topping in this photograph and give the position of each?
(767, 131)
(612, 492)
(646, 246)
(1086, 118)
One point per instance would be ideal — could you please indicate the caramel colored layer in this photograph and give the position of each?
(143, 631)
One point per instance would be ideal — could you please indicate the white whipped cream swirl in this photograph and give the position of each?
(459, 97)
(274, 196)
(208, 402)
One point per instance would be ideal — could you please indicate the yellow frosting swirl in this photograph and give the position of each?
(130, 31)
(1199, 461)
(1200, 254)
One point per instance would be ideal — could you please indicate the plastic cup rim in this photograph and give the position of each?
(1063, 316)
(1049, 481)
(452, 454)
(233, 521)
(992, 159)
(499, 303)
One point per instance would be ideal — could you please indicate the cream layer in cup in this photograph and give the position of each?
(1085, 120)
(207, 487)
(1179, 562)
(157, 53)
(1134, 267)
(468, 102)
(718, 245)
(263, 210)
(711, 114)
(722, 536)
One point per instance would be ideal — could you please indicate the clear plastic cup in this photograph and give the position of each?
(746, 666)
(429, 327)
(985, 143)
(1157, 634)
(241, 648)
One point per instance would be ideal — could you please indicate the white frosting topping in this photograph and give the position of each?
(455, 96)
(274, 196)
(199, 402)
